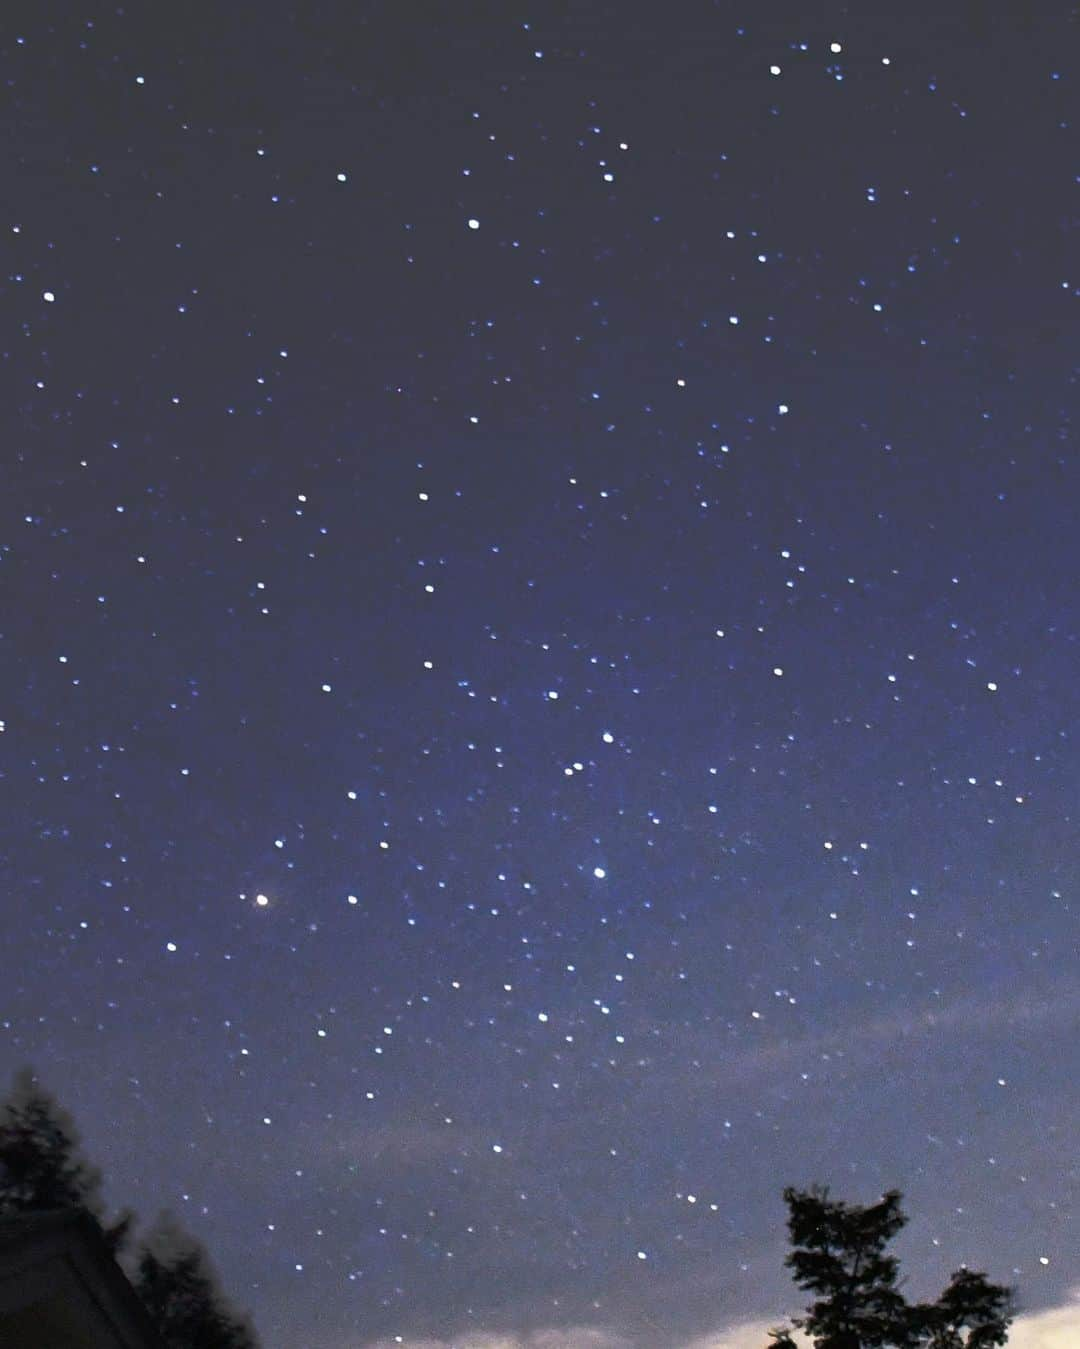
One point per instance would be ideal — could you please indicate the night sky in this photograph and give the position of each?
(539, 651)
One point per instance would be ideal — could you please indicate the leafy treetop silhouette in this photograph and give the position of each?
(838, 1255)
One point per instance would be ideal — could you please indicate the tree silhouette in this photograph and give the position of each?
(839, 1256)
(41, 1166)
(179, 1289)
(969, 1304)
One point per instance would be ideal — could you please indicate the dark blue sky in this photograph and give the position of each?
(538, 647)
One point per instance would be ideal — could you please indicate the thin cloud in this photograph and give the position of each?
(571, 1337)
(1053, 1328)
(1059, 1006)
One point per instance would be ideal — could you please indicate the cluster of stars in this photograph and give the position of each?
(464, 583)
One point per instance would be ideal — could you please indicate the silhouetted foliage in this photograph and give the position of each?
(839, 1256)
(178, 1287)
(41, 1166)
(972, 1313)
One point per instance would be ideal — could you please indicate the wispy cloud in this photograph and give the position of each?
(572, 1337)
(1053, 1328)
(409, 1142)
(404, 1142)
(972, 1015)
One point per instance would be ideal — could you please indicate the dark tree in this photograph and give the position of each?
(179, 1289)
(838, 1254)
(972, 1313)
(41, 1166)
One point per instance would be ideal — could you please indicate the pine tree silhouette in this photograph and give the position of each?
(179, 1289)
(41, 1166)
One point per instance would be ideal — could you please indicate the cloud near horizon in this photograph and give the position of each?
(571, 1337)
(1051, 1328)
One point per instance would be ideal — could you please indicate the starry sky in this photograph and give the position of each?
(539, 647)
